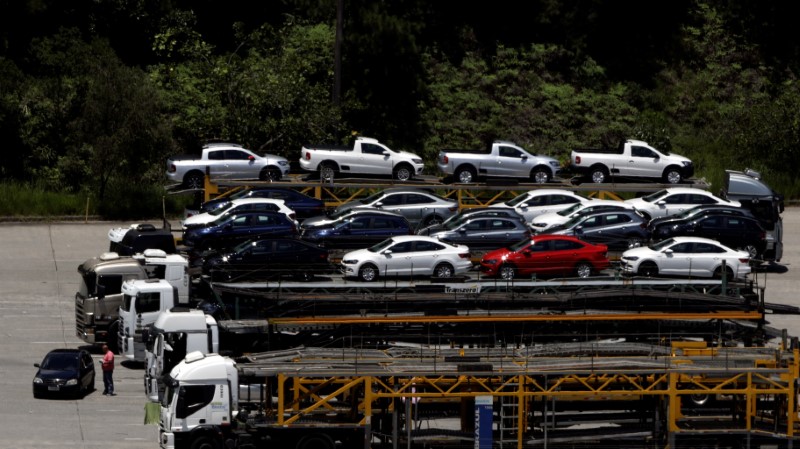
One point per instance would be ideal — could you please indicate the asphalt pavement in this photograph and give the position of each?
(38, 281)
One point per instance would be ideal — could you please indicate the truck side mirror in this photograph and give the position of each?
(101, 291)
(524, 157)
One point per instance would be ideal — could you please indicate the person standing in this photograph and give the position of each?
(108, 371)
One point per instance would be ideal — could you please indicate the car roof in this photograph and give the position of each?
(67, 351)
(685, 238)
(405, 238)
(407, 189)
(538, 192)
(370, 211)
(239, 201)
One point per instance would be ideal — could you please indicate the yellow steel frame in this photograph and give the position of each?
(301, 395)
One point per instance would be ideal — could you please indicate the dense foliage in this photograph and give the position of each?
(95, 95)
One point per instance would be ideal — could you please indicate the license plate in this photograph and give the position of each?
(55, 388)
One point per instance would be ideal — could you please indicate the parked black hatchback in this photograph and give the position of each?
(268, 259)
(64, 372)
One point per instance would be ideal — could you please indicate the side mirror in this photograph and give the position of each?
(462, 231)
(379, 204)
(668, 251)
(101, 291)
(524, 157)
(251, 158)
(387, 253)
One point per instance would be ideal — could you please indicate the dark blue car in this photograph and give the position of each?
(268, 259)
(304, 206)
(64, 372)
(231, 230)
(361, 229)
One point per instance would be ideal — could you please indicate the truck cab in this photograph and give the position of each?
(142, 302)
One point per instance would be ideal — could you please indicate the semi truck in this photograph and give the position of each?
(142, 302)
(99, 294)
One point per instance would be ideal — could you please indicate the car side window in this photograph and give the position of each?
(502, 224)
(592, 222)
(678, 198)
(286, 247)
(216, 155)
(563, 199)
(368, 148)
(711, 222)
(536, 201)
(700, 199)
(510, 152)
(360, 223)
(241, 221)
(707, 248)
(399, 248)
(427, 246)
(236, 155)
(392, 200)
(682, 248)
(383, 223)
(735, 223)
(541, 246)
(642, 152)
(566, 245)
(415, 198)
(475, 225)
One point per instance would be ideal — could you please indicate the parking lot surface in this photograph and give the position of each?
(38, 281)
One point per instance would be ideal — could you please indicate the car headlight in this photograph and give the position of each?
(37, 380)
(350, 261)
(283, 163)
(72, 382)
(686, 163)
(631, 258)
(417, 161)
(555, 164)
(490, 261)
(538, 225)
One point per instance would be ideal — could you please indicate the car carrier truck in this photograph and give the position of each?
(99, 293)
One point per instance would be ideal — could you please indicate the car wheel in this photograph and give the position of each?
(648, 269)
(599, 175)
(751, 250)
(443, 270)
(368, 273)
(583, 269)
(270, 174)
(507, 272)
(194, 181)
(673, 176)
(728, 273)
(540, 176)
(327, 172)
(433, 220)
(465, 175)
(634, 241)
(403, 173)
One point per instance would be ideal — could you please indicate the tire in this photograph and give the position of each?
(672, 176)
(634, 241)
(368, 273)
(598, 174)
(315, 441)
(270, 174)
(583, 269)
(648, 269)
(751, 250)
(403, 173)
(327, 172)
(540, 175)
(194, 181)
(444, 270)
(432, 220)
(728, 273)
(465, 175)
(204, 442)
(507, 272)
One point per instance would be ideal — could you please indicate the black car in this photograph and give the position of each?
(268, 259)
(658, 225)
(617, 229)
(230, 230)
(64, 372)
(303, 205)
(463, 214)
(735, 231)
(483, 232)
(361, 229)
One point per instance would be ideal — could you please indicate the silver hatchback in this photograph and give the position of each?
(419, 206)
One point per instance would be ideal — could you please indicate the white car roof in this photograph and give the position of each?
(539, 192)
(239, 201)
(682, 239)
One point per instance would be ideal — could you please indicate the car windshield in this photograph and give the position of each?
(573, 221)
(518, 199)
(380, 246)
(222, 209)
(242, 246)
(371, 199)
(570, 210)
(653, 197)
(662, 244)
(60, 361)
(342, 223)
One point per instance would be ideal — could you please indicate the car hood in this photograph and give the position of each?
(358, 254)
(198, 220)
(350, 205)
(409, 155)
(638, 252)
(317, 222)
(497, 254)
(430, 230)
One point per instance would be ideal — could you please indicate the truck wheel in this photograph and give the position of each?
(599, 175)
(672, 176)
(403, 173)
(465, 175)
(204, 442)
(540, 175)
(368, 273)
(270, 174)
(583, 269)
(327, 172)
(194, 181)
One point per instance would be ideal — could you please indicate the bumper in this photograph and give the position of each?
(166, 440)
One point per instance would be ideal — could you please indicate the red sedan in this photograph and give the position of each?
(546, 255)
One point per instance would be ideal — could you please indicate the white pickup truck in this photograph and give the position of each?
(631, 159)
(502, 160)
(367, 156)
(226, 161)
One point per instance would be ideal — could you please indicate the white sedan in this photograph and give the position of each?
(407, 255)
(675, 200)
(542, 201)
(686, 257)
(238, 206)
(546, 221)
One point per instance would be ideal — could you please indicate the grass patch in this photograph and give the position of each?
(21, 200)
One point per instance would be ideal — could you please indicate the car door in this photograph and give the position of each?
(416, 206)
(425, 255)
(502, 232)
(374, 159)
(705, 258)
(355, 232)
(536, 258)
(397, 259)
(472, 233)
(509, 162)
(677, 261)
(566, 253)
(86, 371)
(217, 164)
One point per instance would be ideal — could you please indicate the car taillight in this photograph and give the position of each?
(763, 236)
(463, 255)
(308, 155)
(745, 260)
(453, 209)
(445, 159)
(172, 168)
(577, 159)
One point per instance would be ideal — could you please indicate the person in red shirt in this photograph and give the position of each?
(108, 371)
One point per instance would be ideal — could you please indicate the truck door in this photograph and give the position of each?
(240, 165)
(374, 159)
(510, 162)
(217, 164)
(643, 162)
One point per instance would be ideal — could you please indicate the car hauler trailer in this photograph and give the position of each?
(684, 395)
